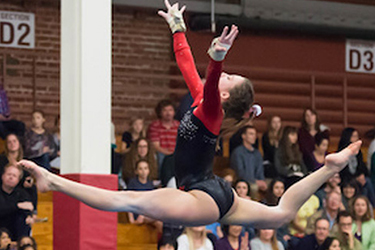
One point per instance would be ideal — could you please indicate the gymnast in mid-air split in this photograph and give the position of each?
(223, 103)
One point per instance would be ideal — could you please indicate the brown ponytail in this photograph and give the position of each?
(241, 98)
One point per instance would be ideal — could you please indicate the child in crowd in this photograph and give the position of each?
(167, 243)
(39, 143)
(142, 183)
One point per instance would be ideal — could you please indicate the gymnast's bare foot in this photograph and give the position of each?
(338, 161)
(41, 175)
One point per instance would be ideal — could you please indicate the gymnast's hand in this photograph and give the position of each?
(221, 45)
(174, 17)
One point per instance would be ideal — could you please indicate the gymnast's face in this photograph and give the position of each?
(227, 82)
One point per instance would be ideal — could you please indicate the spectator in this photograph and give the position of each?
(356, 167)
(247, 161)
(331, 244)
(142, 183)
(344, 234)
(242, 188)
(349, 190)
(26, 241)
(13, 151)
(266, 240)
(39, 143)
(13, 154)
(7, 124)
(236, 139)
(299, 223)
(167, 243)
(137, 130)
(270, 141)
(232, 239)
(274, 192)
(315, 240)
(141, 149)
(288, 157)
(163, 132)
(364, 225)
(329, 212)
(5, 240)
(195, 236)
(317, 157)
(310, 126)
(15, 203)
(331, 185)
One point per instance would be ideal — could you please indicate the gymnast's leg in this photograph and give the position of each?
(259, 215)
(169, 205)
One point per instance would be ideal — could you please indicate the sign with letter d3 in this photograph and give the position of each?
(360, 56)
(17, 29)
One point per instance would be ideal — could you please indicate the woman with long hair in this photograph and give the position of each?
(194, 238)
(288, 157)
(266, 240)
(363, 225)
(39, 143)
(310, 126)
(137, 130)
(270, 142)
(13, 151)
(316, 158)
(141, 149)
(274, 192)
(202, 197)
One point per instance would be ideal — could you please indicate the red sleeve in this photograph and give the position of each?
(209, 111)
(186, 64)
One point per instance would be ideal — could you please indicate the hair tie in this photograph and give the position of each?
(256, 109)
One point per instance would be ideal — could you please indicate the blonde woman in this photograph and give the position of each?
(137, 130)
(266, 240)
(194, 238)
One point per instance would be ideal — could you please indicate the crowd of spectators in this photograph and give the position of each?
(340, 214)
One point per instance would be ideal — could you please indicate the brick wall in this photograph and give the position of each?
(141, 64)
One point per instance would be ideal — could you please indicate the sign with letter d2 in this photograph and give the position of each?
(17, 29)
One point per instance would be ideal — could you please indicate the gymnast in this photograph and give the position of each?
(202, 197)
